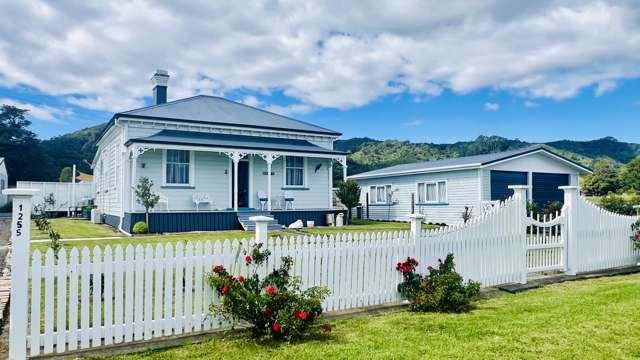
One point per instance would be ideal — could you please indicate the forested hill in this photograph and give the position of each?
(369, 154)
(365, 153)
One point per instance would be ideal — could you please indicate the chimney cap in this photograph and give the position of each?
(160, 78)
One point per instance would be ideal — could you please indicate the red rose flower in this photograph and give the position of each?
(225, 289)
(218, 268)
(276, 327)
(302, 315)
(326, 328)
(240, 278)
(268, 312)
(429, 268)
(248, 259)
(271, 291)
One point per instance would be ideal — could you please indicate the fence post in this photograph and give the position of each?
(520, 196)
(416, 224)
(571, 245)
(20, 238)
(262, 225)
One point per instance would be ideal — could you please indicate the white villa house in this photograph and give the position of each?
(441, 189)
(214, 162)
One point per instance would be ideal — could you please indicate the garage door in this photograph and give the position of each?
(545, 187)
(500, 180)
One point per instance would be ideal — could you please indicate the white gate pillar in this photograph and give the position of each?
(20, 238)
(520, 196)
(416, 224)
(262, 226)
(570, 238)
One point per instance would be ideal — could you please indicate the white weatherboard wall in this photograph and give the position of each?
(108, 173)
(462, 190)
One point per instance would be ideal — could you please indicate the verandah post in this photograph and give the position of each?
(20, 238)
(520, 196)
(571, 245)
(262, 223)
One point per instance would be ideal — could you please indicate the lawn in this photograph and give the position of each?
(595, 319)
(72, 228)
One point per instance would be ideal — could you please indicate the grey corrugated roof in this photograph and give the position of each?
(465, 161)
(176, 137)
(217, 110)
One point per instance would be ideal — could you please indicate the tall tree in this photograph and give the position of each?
(19, 146)
(605, 179)
(631, 175)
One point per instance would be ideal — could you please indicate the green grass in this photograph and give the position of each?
(594, 319)
(72, 228)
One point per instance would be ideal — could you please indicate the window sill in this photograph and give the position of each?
(432, 204)
(177, 187)
(294, 188)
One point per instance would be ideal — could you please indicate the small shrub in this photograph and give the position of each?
(441, 290)
(274, 306)
(140, 228)
(635, 227)
(621, 204)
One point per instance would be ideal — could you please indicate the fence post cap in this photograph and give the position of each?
(568, 187)
(261, 218)
(20, 192)
(636, 206)
(416, 216)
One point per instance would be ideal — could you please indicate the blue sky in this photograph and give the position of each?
(414, 70)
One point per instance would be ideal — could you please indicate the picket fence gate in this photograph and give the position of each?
(88, 298)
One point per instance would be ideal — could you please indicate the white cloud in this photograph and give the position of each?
(285, 110)
(530, 104)
(413, 123)
(322, 54)
(491, 106)
(40, 112)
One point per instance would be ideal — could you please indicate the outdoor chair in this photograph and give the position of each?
(288, 200)
(201, 198)
(263, 198)
(164, 200)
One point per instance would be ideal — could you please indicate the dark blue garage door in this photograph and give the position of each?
(545, 187)
(500, 180)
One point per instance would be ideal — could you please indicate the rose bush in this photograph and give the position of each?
(635, 237)
(441, 289)
(274, 306)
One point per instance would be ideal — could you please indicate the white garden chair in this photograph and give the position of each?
(201, 198)
(288, 200)
(263, 199)
(163, 199)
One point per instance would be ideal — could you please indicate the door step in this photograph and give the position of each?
(248, 225)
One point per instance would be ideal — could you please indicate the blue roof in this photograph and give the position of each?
(219, 111)
(176, 137)
(461, 162)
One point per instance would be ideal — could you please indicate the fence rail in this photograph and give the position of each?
(88, 298)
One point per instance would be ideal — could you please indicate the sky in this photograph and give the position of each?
(409, 70)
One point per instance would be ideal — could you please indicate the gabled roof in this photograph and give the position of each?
(215, 110)
(192, 138)
(465, 162)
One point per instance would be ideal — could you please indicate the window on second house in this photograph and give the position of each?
(432, 192)
(379, 194)
(177, 167)
(294, 171)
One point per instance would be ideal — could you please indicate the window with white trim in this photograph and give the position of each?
(432, 192)
(177, 167)
(294, 171)
(379, 194)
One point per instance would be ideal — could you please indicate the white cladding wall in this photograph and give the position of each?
(539, 162)
(108, 173)
(462, 190)
(211, 175)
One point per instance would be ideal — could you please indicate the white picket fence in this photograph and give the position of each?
(112, 295)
